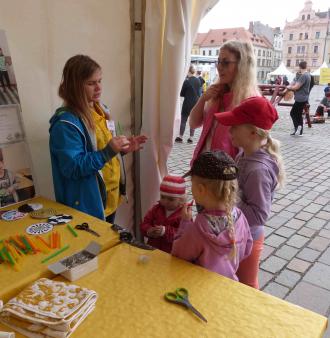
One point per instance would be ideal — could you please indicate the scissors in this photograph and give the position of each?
(180, 296)
(84, 226)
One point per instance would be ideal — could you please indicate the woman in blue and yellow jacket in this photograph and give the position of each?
(85, 152)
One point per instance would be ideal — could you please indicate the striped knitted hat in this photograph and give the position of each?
(173, 186)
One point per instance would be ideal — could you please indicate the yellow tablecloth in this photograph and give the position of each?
(32, 268)
(131, 302)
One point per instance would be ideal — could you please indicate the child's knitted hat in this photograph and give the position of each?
(173, 186)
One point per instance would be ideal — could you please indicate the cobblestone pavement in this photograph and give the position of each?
(295, 263)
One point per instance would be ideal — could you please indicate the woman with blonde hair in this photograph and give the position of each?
(261, 171)
(237, 81)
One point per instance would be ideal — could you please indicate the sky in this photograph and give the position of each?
(238, 13)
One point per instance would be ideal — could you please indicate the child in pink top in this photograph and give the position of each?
(162, 221)
(220, 237)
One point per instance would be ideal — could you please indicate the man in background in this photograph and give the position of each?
(301, 88)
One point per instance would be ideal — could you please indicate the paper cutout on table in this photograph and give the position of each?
(12, 215)
(39, 228)
(43, 213)
(59, 219)
(26, 208)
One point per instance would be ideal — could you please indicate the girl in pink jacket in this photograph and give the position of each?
(220, 237)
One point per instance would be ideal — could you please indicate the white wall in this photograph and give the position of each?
(42, 35)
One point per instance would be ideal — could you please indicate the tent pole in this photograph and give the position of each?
(137, 11)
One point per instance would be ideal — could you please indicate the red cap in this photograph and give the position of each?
(255, 110)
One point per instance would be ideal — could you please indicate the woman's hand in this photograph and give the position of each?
(119, 143)
(186, 212)
(211, 93)
(135, 143)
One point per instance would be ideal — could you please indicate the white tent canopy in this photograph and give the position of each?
(282, 70)
(317, 71)
(138, 75)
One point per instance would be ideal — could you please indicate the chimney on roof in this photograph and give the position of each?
(251, 26)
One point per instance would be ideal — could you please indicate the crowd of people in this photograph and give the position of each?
(235, 168)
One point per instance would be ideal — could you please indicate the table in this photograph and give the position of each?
(131, 302)
(12, 281)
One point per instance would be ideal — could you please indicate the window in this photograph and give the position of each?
(263, 62)
(203, 52)
(300, 36)
(217, 52)
(303, 17)
(224, 33)
(289, 50)
(263, 53)
(212, 41)
(317, 35)
(259, 52)
(291, 36)
(224, 40)
(258, 62)
(298, 49)
(316, 49)
(302, 49)
(288, 63)
(308, 16)
(297, 62)
(210, 52)
(314, 62)
(306, 36)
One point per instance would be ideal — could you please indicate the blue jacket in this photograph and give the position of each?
(75, 165)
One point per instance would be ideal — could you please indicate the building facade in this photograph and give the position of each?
(305, 39)
(209, 45)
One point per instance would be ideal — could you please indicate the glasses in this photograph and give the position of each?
(224, 63)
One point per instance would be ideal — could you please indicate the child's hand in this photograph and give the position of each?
(156, 231)
(186, 212)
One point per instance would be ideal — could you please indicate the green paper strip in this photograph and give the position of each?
(74, 233)
(55, 254)
(2, 256)
(13, 243)
(26, 243)
(120, 130)
(9, 256)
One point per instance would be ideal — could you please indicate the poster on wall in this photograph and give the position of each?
(16, 182)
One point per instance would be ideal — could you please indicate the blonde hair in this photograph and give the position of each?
(273, 147)
(245, 82)
(226, 192)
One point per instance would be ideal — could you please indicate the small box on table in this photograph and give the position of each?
(79, 264)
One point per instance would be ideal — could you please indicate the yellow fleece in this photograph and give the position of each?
(111, 170)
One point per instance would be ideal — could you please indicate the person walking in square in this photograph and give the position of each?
(301, 88)
(190, 93)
